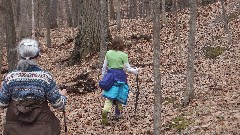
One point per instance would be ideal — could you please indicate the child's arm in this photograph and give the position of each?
(130, 69)
(104, 68)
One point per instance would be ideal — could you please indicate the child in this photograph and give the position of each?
(112, 71)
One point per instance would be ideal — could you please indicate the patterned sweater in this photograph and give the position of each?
(35, 84)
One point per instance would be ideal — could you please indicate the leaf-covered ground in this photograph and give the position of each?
(216, 109)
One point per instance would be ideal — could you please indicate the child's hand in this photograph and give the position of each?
(135, 71)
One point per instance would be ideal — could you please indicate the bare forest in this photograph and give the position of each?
(188, 53)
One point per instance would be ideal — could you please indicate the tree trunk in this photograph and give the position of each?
(25, 30)
(147, 8)
(10, 36)
(75, 12)
(104, 27)
(164, 11)
(118, 15)
(33, 20)
(140, 9)
(189, 93)
(69, 17)
(132, 9)
(175, 5)
(53, 14)
(47, 21)
(87, 41)
(111, 10)
(226, 28)
(156, 68)
(1, 35)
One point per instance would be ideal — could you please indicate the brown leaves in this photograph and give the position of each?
(216, 107)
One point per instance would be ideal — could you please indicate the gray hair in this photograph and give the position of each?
(28, 52)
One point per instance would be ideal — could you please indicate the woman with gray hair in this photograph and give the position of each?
(26, 93)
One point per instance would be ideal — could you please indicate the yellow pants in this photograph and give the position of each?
(108, 105)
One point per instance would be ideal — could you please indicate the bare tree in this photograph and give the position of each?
(189, 93)
(111, 10)
(225, 19)
(132, 9)
(88, 38)
(53, 13)
(164, 11)
(74, 12)
(175, 5)
(47, 21)
(156, 68)
(10, 35)
(1, 33)
(118, 15)
(103, 30)
(33, 20)
(25, 25)
(69, 17)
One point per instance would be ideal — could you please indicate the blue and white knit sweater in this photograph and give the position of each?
(35, 84)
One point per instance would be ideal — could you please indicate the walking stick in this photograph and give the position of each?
(137, 94)
(65, 120)
(64, 112)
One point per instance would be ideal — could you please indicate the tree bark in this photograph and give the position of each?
(118, 15)
(74, 13)
(53, 13)
(1, 35)
(25, 30)
(156, 68)
(87, 41)
(189, 93)
(175, 5)
(225, 20)
(10, 36)
(47, 21)
(33, 20)
(111, 10)
(164, 11)
(69, 17)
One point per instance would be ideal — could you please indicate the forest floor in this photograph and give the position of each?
(214, 111)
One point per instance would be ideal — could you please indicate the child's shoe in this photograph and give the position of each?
(105, 118)
(117, 113)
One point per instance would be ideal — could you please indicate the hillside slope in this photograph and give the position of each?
(216, 109)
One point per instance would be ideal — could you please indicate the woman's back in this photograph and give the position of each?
(33, 84)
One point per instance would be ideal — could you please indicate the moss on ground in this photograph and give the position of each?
(213, 52)
(179, 123)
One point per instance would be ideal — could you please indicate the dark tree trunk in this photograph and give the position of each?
(69, 16)
(47, 21)
(87, 41)
(225, 20)
(104, 30)
(53, 14)
(75, 4)
(25, 29)
(111, 10)
(189, 93)
(1, 34)
(10, 36)
(156, 68)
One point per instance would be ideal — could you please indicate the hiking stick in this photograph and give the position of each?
(65, 120)
(64, 112)
(137, 94)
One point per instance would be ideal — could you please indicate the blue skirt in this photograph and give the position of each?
(119, 91)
